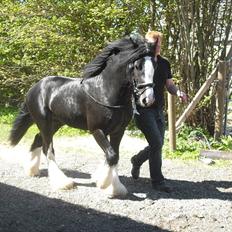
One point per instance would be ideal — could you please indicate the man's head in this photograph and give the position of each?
(153, 36)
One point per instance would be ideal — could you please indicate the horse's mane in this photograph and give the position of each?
(133, 44)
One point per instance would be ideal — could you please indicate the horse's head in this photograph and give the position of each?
(111, 65)
(142, 74)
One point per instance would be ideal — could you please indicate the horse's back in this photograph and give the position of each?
(39, 96)
(48, 84)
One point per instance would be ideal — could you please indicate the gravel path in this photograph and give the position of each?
(202, 200)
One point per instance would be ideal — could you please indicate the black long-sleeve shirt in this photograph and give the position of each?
(161, 74)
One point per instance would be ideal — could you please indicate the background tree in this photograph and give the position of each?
(39, 38)
(197, 33)
(58, 37)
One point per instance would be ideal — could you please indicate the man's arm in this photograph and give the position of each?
(172, 89)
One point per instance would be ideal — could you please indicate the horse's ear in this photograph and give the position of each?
(136, 38)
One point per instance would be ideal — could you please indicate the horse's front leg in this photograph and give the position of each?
(106, 176)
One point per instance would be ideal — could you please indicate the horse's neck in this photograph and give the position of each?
(106, 90)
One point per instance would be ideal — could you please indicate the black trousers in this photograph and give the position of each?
(151, 122)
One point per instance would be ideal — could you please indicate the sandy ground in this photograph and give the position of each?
(202, 200)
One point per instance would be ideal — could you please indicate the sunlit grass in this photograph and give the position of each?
(189, 140)
(7, 116)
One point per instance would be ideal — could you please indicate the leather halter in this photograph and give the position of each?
(139, 89)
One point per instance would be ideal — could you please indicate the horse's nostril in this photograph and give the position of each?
(145, 101)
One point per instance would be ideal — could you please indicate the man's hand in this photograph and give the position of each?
(182, 96)
(172, 89)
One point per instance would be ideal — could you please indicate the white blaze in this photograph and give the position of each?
(149, 70)
(147, 97)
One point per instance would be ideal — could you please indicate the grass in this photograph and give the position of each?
(189, 140)
(7, 116)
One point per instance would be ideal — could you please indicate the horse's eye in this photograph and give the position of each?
(140, 87)
(131, 66)
(138, 66)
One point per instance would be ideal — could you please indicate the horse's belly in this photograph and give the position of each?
(78, 125)
(109, 120)
(76, 122)
(72, 120)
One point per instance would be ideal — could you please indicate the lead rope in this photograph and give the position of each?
(135, 111)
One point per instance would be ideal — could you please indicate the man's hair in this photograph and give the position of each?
(153, 35)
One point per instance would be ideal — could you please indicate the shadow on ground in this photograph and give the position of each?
(207, 189)
(183, 189)
(22, 211)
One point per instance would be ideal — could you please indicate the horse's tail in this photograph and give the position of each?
(20, 125)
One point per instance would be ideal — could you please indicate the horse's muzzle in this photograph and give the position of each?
(147, 97)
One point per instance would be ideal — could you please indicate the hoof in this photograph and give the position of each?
(64, 184)
(32, 172)
(103, 177)
(103, 184)
(58, 179)
(119, 192)
(116, 188)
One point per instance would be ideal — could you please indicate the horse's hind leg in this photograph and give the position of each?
(107, 176)
(32, 165)
(58, 179)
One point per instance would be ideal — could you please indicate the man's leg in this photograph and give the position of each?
(151, 123)
(146, 122)
(138, 160)
(158, 182)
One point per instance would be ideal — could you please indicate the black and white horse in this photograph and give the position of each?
(101, 103)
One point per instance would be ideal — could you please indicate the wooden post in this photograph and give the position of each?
(220, 100)
(171, 122)
(227, 84)
(196, 99)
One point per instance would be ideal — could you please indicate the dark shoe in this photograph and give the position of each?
(135, 171)
(162, 187)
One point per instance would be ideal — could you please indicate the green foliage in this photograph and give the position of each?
(224, 144)
(191, 140)
(58, 37)
(187, 146)
(40, 38)
(7, 116)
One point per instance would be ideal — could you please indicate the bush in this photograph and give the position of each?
(191, 140)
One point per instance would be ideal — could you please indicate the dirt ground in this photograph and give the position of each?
(202, 200)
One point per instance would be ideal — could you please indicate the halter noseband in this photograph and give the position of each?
(144, 85)
(139, 89)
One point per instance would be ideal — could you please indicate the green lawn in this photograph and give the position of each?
(188, 142)
(7, 116)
